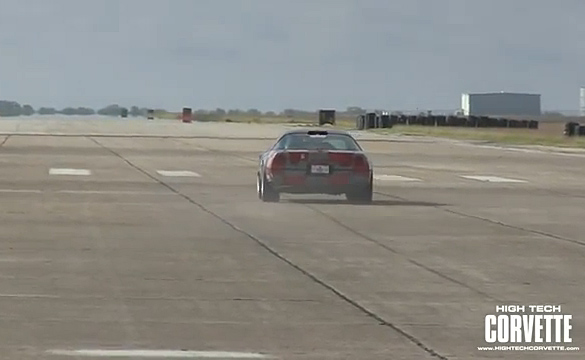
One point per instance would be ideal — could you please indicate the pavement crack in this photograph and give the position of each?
(275, 253)
(222, 152)
(563, 194)
(521, 228)
(410, 260)
(495, 222)
(5, 140)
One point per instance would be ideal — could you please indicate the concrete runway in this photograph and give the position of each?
(120, 257)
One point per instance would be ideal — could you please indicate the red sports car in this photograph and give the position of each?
(315, 162)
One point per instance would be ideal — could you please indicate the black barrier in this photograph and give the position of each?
(570, 128)
(370, 120)
(326, 117)
(378, 121)
(394, 120)
(514, 124)
(491, 122)
(385, 121)
(187, 115)
(483, 121)
(360, 122)
(429, 120)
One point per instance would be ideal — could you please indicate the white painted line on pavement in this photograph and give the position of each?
(30, 296)
(394, 178)
(178, 173)
(556, 151)
(89, 192)
(495, 179)
(160, 354)
(20, 260)
(113, 192)
(74, 172)
(22, 191)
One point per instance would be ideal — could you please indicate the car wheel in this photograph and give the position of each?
(259, 186)
(364, 195)
(368, 195)
(265, 192)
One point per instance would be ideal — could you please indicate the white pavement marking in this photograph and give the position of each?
(22, 191)
(20, 260)
(113, 192)
(180, 173)
(553, 150)
(394, 178)
(495, 179)
(74, 172)
(160, 354)
(88, 192)
(29, 296)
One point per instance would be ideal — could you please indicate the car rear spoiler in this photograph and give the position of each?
(317, 132)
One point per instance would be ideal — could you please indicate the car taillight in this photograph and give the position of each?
(360, 164)
(341, 159)
(295, 157)
(278, 162)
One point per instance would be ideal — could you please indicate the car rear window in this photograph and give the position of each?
(313, 142)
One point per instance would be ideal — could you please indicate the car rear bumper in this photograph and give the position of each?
(330, 184)
(297, 189)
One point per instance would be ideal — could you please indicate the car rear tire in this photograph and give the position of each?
(362, 196)
(266, 193)
(258, 186)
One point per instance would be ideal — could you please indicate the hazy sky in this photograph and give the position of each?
(276, 54)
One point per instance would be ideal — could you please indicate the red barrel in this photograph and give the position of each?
(187, 115)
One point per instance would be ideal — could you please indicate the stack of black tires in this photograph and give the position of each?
(374, 120)
(466, 121)
(574, 129)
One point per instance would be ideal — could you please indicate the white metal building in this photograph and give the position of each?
(582, 102)
(501, 104)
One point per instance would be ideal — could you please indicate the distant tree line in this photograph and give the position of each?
(349, 111)
(12, 108)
